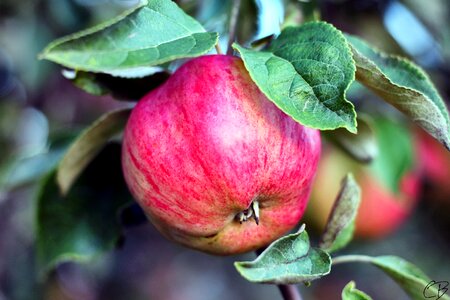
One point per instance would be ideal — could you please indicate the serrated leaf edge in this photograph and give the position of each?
(344, 41)
(350, 127)
(91, 30)
(239, 265)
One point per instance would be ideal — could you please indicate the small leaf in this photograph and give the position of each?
(350, 292)
(120, 88)
(404, 85)
(87, 145)
(341, 223)
(362, 147)
(415, 283)
(155, 32)
(288, 260)
(83, 223)
(306, 72)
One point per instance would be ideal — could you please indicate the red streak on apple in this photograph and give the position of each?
(200, 148)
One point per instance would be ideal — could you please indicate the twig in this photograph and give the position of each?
(233, 23)
(289, 292)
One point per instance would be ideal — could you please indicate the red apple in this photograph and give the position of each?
(381, 210)
(205, 150)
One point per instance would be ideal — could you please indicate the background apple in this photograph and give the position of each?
(435, 168)
(205, 150)
(385, 202)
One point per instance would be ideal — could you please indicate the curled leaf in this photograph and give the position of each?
(341, 223)
(87, 145)
(350, 292)
(404, 85)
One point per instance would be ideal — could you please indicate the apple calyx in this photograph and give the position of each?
(251, 212)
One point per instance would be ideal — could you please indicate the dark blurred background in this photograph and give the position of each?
(41, 111)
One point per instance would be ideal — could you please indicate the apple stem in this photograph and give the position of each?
(252, 211)
(233, 24)
(255, 209)
(218, 49)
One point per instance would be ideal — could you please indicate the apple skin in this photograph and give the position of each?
(381, 211)
(200, 148)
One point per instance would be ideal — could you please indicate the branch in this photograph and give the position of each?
(233, 24)
(289, 292)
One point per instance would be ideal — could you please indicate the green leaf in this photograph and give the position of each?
(288, 260)
(341, 223)
(404, 85)
(87, 145)
(415, 283)
(306, 72)
(350, 292)
(84, 223)
(155, 32)
(131, 89)
(392, 163)
(362, 146)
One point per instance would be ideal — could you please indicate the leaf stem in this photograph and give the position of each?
(233, 24)
(289, 292)
(218, 49)
(351, 258)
